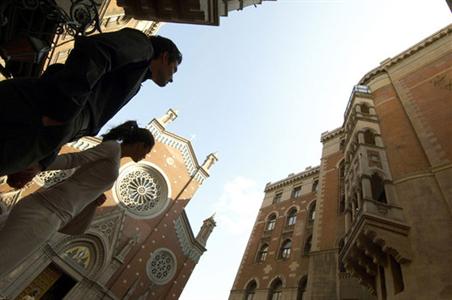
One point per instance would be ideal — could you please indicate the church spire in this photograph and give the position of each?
(206, 230)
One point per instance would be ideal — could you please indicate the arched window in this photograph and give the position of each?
(307, 245)
(302, 287)
(369, 137)
(250, 290)
(275, 290)
(271, 221)
(262, 255)
(292, 217)
(315, 186)
(378, 188)
(311, 215)
(285, 249)
(364, 109)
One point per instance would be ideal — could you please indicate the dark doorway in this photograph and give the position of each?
(60, 288)
(51, 283)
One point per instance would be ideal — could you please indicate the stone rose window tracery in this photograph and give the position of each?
(161, 266)
(48, 178)
(141, 190)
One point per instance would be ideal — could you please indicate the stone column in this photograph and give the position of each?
(348, 219)
(353, 210)
(366, 188)
(378, 141)
(361, 137)
(360, 199)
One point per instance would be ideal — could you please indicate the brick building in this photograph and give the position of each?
(140, 244)
(374, 220)
(36, 33)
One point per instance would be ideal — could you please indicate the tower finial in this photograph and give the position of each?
(209, 161)
(167, 118)
(206, 230)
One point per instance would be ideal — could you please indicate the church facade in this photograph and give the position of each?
(373, 220)
(140, 244)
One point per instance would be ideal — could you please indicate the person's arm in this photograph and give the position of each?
(67, 90)
(77, 159)
(19, 179)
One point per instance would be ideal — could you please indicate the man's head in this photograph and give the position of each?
(165, 60)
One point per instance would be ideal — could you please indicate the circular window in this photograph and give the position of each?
(161, 266)
(141, 190)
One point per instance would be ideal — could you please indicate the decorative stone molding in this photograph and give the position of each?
(109, 226)
(85, 143)
(86, 253)
(291, 179)
(9, 199)
(409, 52)
(48, 178)
(181, 144)
(371, 239)
(328, 135)
(190, 247)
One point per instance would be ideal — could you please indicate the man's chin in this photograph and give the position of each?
(159, 83)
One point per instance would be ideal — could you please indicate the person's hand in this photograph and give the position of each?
(46, 121)
(101, 200)
(20, 179)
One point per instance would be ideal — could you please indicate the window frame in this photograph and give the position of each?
(277, 197)
(271, 222)
(296, 192)
(285, 251)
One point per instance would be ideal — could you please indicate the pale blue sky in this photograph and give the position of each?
(260, 89)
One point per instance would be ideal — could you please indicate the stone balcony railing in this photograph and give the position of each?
(383, 211)
(377, 231)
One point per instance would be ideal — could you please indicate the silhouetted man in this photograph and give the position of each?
(102, 73)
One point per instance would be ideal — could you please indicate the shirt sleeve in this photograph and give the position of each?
(105, 150)
(65, 92)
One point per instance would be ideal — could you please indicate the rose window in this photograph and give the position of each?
(161, 266)
(141, 190)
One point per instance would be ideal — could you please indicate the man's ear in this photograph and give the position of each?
(165, 57)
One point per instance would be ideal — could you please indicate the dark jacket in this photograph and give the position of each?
(102, 73)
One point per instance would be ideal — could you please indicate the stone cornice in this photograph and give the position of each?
(328, 135)
(181, 144)
(407, 53)
(291, 179)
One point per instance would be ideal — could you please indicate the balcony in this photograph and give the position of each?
(29, 28)
(378, 230)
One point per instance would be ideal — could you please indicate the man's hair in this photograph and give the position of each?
(162, 44)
